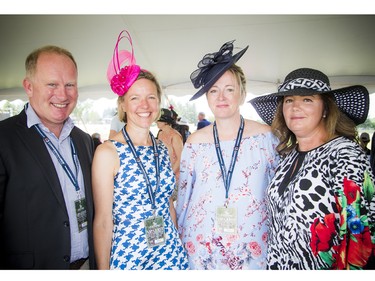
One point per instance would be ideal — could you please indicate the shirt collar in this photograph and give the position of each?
(33, 119)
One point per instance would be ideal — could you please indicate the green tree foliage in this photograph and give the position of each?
(13, 108)
(369, 124)
(187, 111)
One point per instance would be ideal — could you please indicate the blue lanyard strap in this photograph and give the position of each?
(227, 178)
(61, 159)
(150, 192)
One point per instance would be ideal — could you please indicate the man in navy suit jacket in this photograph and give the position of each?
(202, 121)
(46, 208)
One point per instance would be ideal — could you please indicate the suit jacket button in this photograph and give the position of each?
(66, 223)
(67, 258)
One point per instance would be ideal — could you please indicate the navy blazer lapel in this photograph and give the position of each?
(34, 143)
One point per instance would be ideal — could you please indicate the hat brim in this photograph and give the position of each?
(353, 101)
(166, 120)
(224, 67)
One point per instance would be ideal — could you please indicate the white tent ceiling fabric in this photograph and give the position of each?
(342, 46)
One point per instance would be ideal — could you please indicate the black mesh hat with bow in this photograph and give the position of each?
(213, 66)
(167, 116)
(353, 101)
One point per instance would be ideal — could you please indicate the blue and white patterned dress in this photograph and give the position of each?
(132, 205)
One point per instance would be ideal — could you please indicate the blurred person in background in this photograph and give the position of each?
(202, 121)
(364, 140)
(172, 140)
(96, 139)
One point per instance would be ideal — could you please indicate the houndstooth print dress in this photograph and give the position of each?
(132, 205)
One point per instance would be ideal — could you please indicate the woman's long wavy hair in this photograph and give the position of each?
(336, 124)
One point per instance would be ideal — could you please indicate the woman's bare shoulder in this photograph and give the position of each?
(253, 128)
(203, 135)
(106, 158)
(106, 149)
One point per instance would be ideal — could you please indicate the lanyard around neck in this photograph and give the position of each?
(60, 158)
(150, 192)
(227, 178)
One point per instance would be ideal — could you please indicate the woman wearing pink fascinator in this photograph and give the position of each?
(134, 223)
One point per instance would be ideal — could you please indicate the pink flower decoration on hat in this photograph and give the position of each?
(120, 83)
(121, 77)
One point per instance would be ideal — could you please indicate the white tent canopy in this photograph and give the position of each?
(342, 46)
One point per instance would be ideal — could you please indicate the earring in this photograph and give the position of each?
(324, 116)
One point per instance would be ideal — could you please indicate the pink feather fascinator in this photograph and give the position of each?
(122, 70)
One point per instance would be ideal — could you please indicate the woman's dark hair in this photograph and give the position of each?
(336, 124)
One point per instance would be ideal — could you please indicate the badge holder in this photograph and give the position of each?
(226, 220)
(80, 206)
(155, 232)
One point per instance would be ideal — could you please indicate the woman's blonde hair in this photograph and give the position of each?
(241, 79)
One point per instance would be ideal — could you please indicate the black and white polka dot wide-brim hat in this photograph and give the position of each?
(353, 101)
